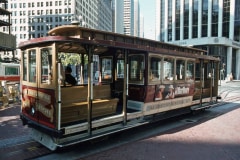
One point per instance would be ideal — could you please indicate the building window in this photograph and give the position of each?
(170, 20)
(215, 9)
(186, 18)
(226, 18)
(177, 30)
(236, 22)
(204, 18)
(162, 34)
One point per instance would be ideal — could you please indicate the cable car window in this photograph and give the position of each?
(11, 70)
(209, 71)
(180, 69)
(155, 69)
(214, 70)
(120, 68)
(24, 59)
(136, 68)
(190, 70)
(168, 69)
(46, 65)
(73, 60)
(32, 65)
(198, 71)
(106, 64)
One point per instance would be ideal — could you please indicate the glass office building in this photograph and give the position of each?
(212, 25)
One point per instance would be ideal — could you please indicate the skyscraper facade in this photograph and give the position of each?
(34, 18)
(131, 18)
(117, 21)
(212, 25)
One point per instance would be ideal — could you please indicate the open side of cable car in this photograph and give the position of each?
(122, 82)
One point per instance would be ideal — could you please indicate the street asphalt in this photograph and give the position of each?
(214, 139)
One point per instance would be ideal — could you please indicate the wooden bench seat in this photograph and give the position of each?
(75, 105)
(79, 111)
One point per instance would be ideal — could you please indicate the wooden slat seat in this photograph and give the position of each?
(78, 111)
(75, 104)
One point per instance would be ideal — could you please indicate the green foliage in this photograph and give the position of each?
(71, 58)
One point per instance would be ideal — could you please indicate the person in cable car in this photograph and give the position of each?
(68, 76)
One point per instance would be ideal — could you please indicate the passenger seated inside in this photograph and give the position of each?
(68, 77)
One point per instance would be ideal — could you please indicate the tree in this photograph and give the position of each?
(71, 58)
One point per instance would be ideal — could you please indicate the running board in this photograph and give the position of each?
(204, 106)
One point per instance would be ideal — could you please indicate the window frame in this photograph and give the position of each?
(133, 79)
(151, 78)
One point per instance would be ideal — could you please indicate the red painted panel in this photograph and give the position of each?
(10, 78)
(44, 105)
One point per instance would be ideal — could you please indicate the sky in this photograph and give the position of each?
(147, 9)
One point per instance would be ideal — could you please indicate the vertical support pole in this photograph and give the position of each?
(125, 88)
(90, 88)
(89, 51)
(212, 81)
(59, 95)
(82, 69)
(217, 76)
(201, 79)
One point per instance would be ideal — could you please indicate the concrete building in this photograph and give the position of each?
(34, 18)
(131, 18)
(213, 25)
(141, 28)
(7, 40)
(117, 21)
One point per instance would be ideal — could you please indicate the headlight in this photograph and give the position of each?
(33, 111)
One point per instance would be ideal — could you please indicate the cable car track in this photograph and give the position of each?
(233, 91)
(34, 150)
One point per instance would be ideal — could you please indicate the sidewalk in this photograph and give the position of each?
(11, 128)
